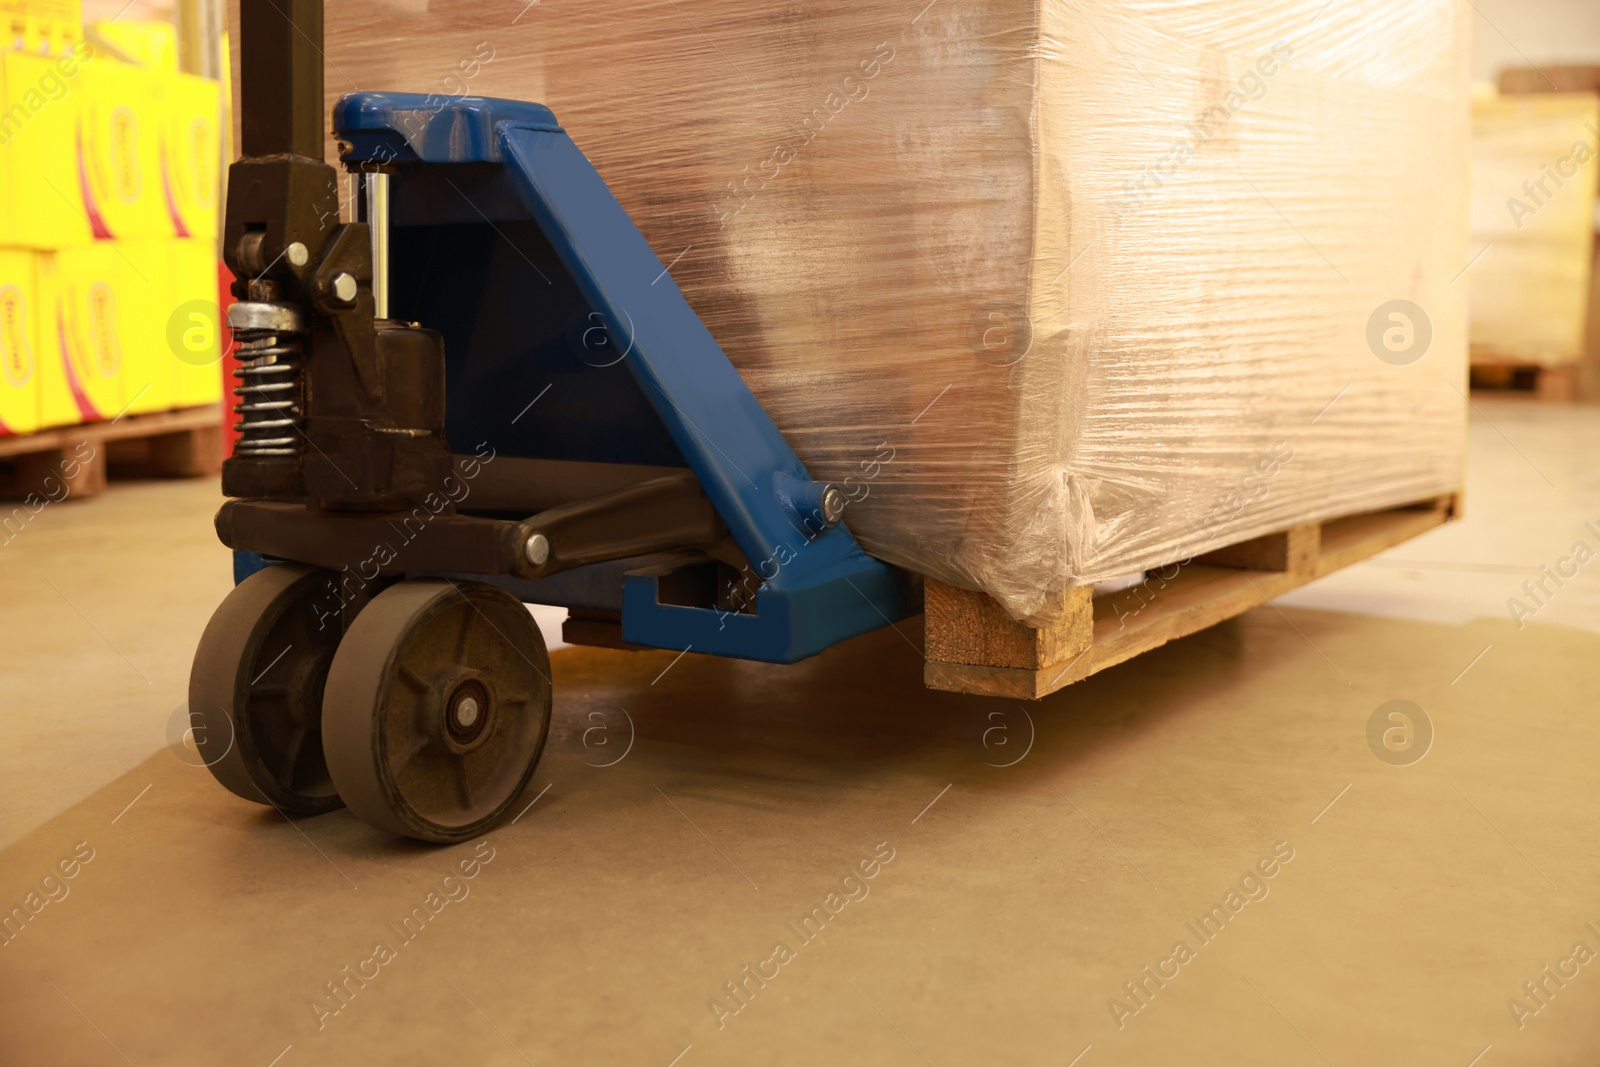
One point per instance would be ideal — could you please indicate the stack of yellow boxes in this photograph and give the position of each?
(108, 222)
(1533, 207)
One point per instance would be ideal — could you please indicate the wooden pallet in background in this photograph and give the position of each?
(185, 443)
(1558, 384)
(973, 646)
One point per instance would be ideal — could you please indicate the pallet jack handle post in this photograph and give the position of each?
(280, 78)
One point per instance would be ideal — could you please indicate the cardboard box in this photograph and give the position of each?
(118, 151)
(190, 156)
(142, 41)
(95, 149)
(129, 327)
(41, 203)
(40, 27)
(145, 306)
(20, 335)
(1019, 275)
(1534, 173)
(195, 332)
(172, 325)
(90, 334)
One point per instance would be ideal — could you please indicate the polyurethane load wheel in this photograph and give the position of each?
(437, 708)
(255, 691)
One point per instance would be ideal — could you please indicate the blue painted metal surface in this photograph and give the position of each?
(508, 242)
(247, 563)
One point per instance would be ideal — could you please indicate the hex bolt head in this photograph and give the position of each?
(537, 550)
(832, 505)
(296, 254)
(344, 288)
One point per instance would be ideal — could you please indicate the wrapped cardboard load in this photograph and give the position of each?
(1058, 289)
(1533, 209)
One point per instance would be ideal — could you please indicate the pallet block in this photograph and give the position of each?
(981, 651)
(193, 453)
(1290, 550)
(185, 443)
(976, 630)
(76, 469)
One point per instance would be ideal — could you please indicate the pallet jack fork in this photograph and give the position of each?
(486, 391)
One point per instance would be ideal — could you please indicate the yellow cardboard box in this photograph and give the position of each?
(144, 305)
(169, 304)
(42, 27)
(141, 41)
(19, 342)
(41, 199)
(118, 151)
(1534, 180)
(137, 329)
(90, 335)
(195, 333)
(190, 110)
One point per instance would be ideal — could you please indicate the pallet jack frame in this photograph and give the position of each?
(484, 390)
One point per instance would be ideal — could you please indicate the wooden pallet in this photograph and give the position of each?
(1557, 384)
(973, 646)
(73, 461)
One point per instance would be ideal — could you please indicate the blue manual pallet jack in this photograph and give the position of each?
(486, 391)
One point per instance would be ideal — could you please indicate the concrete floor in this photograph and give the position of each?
(1008, 905)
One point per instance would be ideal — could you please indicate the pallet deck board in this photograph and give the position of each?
(1199, 595)
(153, 424)
(182, 443)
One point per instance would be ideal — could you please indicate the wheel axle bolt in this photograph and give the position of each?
(537, 550)
(467, 712)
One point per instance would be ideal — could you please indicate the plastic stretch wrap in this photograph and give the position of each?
(1059, 291)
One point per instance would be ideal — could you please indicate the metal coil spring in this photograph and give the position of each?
(268, 391)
